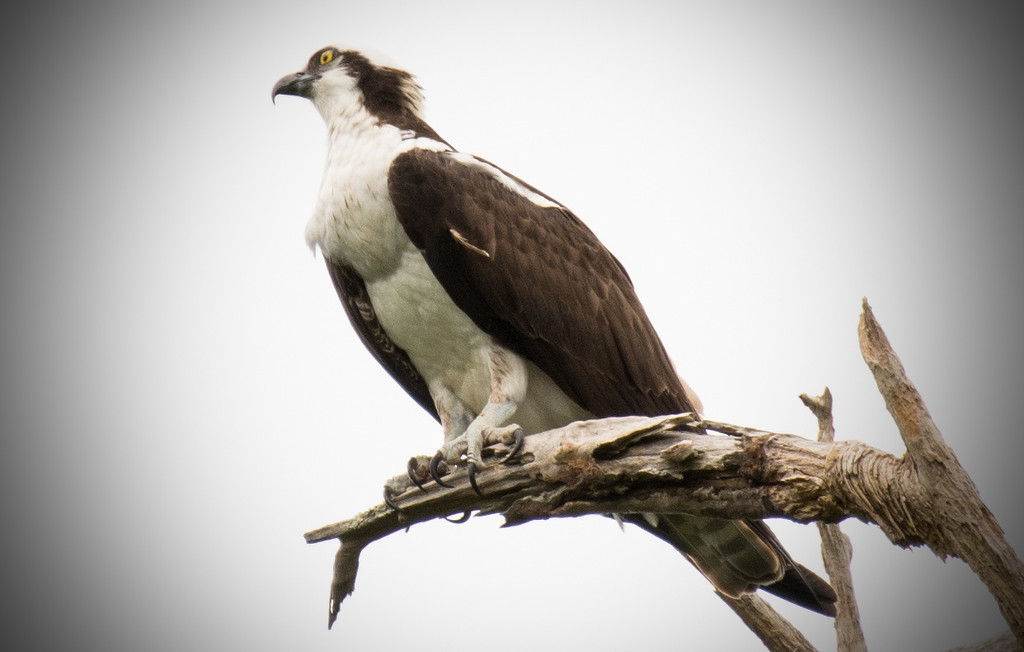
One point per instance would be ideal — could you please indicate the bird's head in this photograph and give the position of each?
(340, 82)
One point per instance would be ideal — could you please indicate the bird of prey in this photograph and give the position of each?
(493, 305)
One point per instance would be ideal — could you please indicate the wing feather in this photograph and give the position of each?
(548, 289)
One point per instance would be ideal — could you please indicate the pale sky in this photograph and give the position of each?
(183, 396)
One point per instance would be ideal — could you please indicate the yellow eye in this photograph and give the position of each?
(326, 57)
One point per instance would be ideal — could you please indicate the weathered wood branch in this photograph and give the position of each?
(777, 633)
(836, 550)
(950, 515)
(678, 464)
(657, 465)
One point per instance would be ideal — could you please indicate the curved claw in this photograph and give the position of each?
(391, 503)
(472, 478)
(461, 519)
(434, 461)
(411, 468)
(517, 445)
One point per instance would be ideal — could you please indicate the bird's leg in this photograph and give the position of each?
(487, 427)
(455, 419)
(488, 424)
(457, 422)
(508, 389)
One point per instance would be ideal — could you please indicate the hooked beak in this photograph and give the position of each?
(299, 84)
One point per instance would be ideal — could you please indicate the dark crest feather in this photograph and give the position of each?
(390, 94)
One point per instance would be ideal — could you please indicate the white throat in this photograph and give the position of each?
(354, 221)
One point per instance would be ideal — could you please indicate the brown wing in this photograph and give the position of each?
(539, 280)
(352, 292)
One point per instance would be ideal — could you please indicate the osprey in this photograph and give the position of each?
(493, 305)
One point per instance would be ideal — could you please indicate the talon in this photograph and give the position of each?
(461, 519)
(517, 445)
(391, 503)
(413, 468)
(472, 478)
(434, 473)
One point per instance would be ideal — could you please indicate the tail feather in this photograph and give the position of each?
(739, 557)
(801, 586)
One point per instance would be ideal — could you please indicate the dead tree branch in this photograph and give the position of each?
(678, 464)
(938, 486)
(777, 633)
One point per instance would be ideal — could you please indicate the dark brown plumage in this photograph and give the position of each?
(549, 289)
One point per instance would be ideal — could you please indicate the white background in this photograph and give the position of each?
(183, 396)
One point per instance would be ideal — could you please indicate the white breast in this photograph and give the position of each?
(354, 222)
